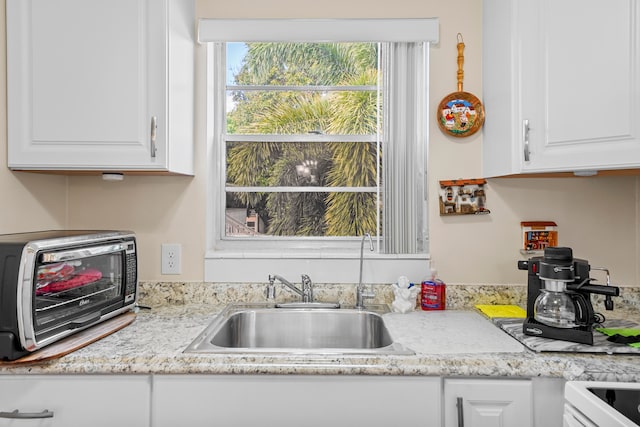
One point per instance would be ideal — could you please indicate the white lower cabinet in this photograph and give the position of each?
(488, 403)
(282, 400)
(293, 400)
(75, 401)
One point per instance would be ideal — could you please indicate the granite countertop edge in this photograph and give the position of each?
(153, 345)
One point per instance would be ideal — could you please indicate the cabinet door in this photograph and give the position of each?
(487, 403)
(501, 140)
(580, 84)
(337, 401)
(75, 401)
(88, 82)
(561, 84)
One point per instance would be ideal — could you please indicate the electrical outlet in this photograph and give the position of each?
(171, 258)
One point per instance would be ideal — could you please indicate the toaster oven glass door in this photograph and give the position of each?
(73, 288)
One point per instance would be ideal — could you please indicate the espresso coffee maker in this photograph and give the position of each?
(559, 297)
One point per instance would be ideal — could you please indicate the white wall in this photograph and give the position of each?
(597, 216)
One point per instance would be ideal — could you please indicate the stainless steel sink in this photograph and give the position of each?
(242, 328)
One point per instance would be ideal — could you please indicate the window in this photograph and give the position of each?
(302, 143)
(313, 144)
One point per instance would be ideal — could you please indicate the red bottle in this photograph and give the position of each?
(434, 295)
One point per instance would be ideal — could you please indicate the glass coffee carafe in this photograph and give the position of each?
(554, 307)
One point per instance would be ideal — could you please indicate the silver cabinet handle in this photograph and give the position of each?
(17, 415)
(152, 138)
(459, 403)
(525, 139)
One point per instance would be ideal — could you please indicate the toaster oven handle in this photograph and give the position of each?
(84, 321)
(15, 414)
(82, 252)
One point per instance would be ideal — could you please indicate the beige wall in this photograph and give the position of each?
(597, 216)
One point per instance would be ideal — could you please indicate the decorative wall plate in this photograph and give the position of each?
(460, 113)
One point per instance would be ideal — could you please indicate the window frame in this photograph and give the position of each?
(331, 259)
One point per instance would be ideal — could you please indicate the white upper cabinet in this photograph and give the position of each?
(104, 85)
(561, 86)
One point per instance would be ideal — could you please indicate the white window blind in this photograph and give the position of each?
(405, 145)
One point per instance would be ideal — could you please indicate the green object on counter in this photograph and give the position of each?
(625, 332)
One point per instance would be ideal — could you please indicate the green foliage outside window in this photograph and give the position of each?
(306, 112)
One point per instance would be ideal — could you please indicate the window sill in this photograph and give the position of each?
(322, 267)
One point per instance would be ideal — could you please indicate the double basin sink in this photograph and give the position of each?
(305, 328)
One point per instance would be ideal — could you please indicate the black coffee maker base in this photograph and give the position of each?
(582, 335)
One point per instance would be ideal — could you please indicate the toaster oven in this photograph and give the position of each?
(56, 283)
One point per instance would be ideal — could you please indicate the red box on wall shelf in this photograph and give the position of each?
(538, 235)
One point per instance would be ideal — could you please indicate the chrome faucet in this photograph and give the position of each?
(306, 292)
(361, 292)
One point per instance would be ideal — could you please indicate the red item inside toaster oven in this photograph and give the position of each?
(80, 278)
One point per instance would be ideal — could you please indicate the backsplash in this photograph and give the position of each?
(459, 296)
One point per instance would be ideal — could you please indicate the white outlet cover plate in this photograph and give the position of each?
(171, 258)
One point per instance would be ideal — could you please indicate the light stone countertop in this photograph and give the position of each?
(446, 343)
